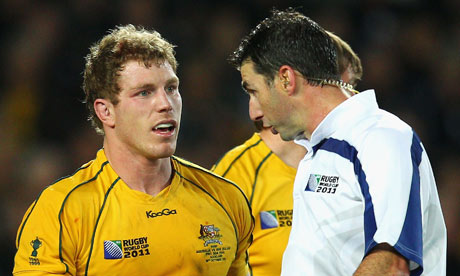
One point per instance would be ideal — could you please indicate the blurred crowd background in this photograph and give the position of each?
(410, 52)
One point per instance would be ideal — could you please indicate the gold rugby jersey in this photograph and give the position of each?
(268, 183)
(92, 223)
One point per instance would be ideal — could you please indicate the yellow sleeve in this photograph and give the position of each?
(245, 226)
(42, 244)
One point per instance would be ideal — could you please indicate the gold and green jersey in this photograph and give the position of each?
(92, 223)
(268, 183)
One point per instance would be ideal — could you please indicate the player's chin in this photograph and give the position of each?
(163, 150)
(169, 150)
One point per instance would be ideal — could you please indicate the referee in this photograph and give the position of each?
(365, 198)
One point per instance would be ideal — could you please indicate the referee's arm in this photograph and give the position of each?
(383, 260)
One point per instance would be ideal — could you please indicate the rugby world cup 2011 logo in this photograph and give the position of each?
(113, 250)
(268, 219)
(313, 182)
(325, 184)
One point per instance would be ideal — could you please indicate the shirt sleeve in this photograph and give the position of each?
(390, 183)
(245, 226)
(41, 248)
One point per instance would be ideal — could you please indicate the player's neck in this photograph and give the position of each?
(289, 152)
(138, 172)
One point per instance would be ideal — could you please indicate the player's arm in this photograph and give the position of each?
(239, 266)
(383, 260)
(41, 245)
(245, 225)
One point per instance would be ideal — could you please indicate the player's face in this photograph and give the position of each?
(268, 103)
(147, 116)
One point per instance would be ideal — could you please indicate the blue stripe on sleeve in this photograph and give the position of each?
(410, 243)
(349, 152)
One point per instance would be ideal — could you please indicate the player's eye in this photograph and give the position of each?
(171, 88)
(143, 93)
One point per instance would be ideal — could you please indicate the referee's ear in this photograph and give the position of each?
(287, 79)
(105, 112)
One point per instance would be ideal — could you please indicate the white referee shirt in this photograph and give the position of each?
(365, 180)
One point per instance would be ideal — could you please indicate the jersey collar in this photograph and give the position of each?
(345, 115)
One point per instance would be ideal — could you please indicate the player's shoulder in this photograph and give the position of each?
(251, 151)
(205, 179)
(85, 176)
(187, 169)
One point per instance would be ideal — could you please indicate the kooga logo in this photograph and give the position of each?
(164, 212)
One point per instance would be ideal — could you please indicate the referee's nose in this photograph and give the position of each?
(255, 111)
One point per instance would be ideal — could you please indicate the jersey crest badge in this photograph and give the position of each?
(210, 234)
(36, 244)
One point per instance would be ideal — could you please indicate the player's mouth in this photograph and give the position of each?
(165, 128)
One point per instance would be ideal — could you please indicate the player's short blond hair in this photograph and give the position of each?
(347, 59)
(108, 56)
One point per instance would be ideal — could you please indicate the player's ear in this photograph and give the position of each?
(286, 76)
(105, 112)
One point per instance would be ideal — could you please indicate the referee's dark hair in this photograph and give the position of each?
(289, 38)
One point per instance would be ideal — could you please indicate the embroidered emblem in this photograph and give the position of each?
(268, 219)
(275, 218)
(36, 244)
(123, 249)
(210, 234)
(325, 184)
(112, 250)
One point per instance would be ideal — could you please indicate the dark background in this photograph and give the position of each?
(410, 52)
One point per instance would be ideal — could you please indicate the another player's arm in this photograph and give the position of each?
(383, 260)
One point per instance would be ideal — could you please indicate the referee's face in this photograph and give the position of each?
(267, 103)
(147, 117)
